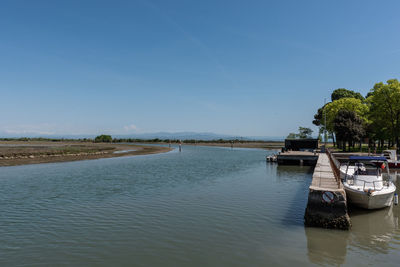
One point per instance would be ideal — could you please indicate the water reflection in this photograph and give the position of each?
(394, 175)
(297, 197)
(326, 246)
(373, 232)
(294, 173)
(203, 206)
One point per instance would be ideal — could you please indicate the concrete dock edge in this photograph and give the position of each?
(327, 203)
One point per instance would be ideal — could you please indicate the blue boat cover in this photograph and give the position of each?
(367, 158)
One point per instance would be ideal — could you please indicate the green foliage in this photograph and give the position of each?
(344, 93)
(337, 94)
(303, 133)
(350, 104)
(103, 139)
(348, 127)
(378, 114)
(319, 117)
(384, 101)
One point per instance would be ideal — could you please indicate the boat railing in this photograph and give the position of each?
(376, 187)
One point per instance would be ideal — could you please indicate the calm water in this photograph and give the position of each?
(203, 207)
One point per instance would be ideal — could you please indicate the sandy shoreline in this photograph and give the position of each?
(14, 153)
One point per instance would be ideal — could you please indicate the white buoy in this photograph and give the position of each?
(396, 199)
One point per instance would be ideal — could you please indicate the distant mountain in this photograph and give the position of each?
(178, 135)
(266, 138)
(198, 136)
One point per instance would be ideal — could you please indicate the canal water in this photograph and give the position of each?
(206, 206)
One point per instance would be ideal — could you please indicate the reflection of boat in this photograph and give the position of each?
(371, 232)
(391, 156)
(374, 231)
(364, 184)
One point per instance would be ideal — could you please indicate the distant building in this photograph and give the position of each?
(301, 144)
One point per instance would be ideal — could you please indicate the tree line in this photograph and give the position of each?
(110, 139)
(350, 118)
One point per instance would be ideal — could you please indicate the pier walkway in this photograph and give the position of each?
(327, 203)
(324, 177)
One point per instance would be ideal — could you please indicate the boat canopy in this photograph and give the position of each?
(367, 158)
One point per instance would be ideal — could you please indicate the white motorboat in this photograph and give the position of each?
(364, 183)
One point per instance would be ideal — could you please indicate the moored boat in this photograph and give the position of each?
(364, 183)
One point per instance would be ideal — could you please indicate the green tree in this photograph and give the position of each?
(319, 121)
(305, 132)
(349, 128)
(345, 93)
(384, 101)
(350, 104)
(319, 116)
(103, 139)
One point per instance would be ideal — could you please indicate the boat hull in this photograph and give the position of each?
(375, 200)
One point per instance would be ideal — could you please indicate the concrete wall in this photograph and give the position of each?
(327, 203)
(323, 212)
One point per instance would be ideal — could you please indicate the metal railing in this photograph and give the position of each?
(384, 183)
(335, 165)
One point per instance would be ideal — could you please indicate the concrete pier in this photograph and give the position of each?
(327, 204)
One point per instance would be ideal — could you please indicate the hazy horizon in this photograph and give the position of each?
(160, 135)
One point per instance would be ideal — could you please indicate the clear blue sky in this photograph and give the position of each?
(250, 68)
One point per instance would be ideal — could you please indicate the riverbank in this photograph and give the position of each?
(14, 153)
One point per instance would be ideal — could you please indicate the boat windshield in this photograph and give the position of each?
(370, 168)
(367, 170)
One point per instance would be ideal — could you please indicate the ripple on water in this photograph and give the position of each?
(204, 206)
